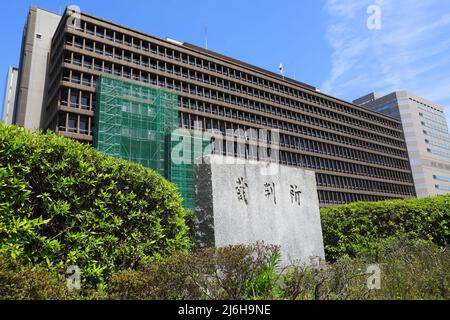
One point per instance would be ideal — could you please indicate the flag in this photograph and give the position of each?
(280, 68)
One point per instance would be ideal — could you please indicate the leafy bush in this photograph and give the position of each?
(362, 228)
(26, 283)
(345, 279)
(63, 203)
(414, 270)
(409, 270)
(235, 272)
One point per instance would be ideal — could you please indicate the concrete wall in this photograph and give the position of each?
(265, 210)
(38, 33)
(10, 95)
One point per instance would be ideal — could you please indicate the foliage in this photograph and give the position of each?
(26, 283)
(363, 228)
(63, 203)
(235, 272)
(414, 270)
(410, 270)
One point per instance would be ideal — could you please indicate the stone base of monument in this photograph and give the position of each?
(243, 203)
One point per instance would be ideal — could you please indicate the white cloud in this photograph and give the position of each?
(410, 52)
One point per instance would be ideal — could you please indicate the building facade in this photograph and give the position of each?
(36, 44)
(10, 95)
(357, 154)
(426, 134)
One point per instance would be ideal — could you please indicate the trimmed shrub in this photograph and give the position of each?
(63, 203)
(362, 228)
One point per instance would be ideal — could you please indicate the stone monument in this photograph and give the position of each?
(247, 202)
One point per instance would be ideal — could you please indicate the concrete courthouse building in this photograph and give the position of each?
(427, 137)
(357, 154)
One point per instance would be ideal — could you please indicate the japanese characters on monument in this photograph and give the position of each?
(240, 204)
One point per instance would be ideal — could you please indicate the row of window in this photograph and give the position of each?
(341, 152)
(246, 149)
(309, 146)
(445, 138)
(77, 99)
(439, 153)
(340, 182)
(83, 100)
(432, 126)
(337, 198)
(79, 124)
(441, 178)
(219, 69)
(442, 188)
(127, 72)
(441, 122)
(188, 121)
(73, 123)
(89, 80)
(433, 143)
(429, 109)
(254, 152)
(299, 144)
(318, 163)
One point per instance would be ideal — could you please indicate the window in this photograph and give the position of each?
(86, 80)
(118, 54)
(78, 43)
(73, 119)
(74, 99)
(439, 153)
(100, 32)
(447, 147)
(98, 65)
(437, 136)
(76, 78)
(85, 101)
(62, 122)
(87, 62)
(98, 48)
(441, 178)
(437, 128)
(443, 188)
(83, 125)
(77, 60)
(89, 46)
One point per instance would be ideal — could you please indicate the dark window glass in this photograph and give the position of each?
(72, 123)
(83, 125)
(84, 101)
(74, 99)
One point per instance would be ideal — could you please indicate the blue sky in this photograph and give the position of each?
(325, 43)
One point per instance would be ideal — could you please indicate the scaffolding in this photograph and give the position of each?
(137, 123)
(182, 173)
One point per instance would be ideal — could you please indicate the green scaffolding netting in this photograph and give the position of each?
(182, 169)
(135, 122)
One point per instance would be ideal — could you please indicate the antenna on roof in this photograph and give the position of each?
(206, 38)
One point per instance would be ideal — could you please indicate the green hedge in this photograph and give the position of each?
(64, 203)
(362, 227)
